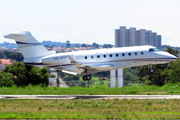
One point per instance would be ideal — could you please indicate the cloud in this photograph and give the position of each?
(75, 34)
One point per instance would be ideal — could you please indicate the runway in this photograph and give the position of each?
(89, 96)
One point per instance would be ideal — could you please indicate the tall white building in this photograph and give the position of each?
(132, 37)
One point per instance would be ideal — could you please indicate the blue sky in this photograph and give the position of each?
(88, 21)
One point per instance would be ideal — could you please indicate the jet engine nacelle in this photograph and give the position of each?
(33, 60)
(56, 60)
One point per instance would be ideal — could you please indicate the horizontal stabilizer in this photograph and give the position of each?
(28, 45)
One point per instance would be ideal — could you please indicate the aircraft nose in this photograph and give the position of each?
(173, 57)
(169, 56)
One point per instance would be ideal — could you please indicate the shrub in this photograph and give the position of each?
(6, 79)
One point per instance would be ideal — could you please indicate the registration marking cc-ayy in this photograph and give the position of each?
(60, 58)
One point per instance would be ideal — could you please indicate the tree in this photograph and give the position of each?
(102, 74)
(171, 73)
(77, 45)
(11, 55)
(130, 75)
(27, 74)
(107, 46)
(84, 45)
(48, 46)
(6, 79)
(95, 45)
(172, 51)
(161, 72)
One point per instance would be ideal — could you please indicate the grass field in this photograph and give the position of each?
(89, 109)
(136, 89)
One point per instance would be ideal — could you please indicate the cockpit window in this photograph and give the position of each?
(151, 50)
(154, 50)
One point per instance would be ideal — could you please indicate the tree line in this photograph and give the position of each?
(20, 74)
(162, 73)
(11, 55)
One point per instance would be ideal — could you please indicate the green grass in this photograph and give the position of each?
(136, 89)
(89, 109)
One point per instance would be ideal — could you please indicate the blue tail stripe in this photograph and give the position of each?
(28, 43)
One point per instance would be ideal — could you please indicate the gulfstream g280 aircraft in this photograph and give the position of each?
(89, 61)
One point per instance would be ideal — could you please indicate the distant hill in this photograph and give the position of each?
(58, 44)
(8, 45)
(164, 47)
(50, 43)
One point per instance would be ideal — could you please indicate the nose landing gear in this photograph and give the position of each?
(150, 66)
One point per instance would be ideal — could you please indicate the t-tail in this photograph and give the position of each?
(31, 49)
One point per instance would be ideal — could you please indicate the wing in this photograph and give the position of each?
(83, 69)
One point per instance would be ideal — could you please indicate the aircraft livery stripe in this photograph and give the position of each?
(105, 62)
(28, 43)
(23, 44)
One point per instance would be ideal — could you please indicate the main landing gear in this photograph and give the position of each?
(87, 77)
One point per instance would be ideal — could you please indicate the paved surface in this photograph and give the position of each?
(61, 82)
(89, 96)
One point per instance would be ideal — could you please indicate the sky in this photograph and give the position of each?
(88, 21)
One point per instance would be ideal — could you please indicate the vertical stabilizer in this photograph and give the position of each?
(28, 45)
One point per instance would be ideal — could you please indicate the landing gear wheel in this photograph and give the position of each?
(88, 77)
(84, 78)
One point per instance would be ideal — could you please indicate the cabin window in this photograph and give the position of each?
(117, 55)
(85, 57)
(104, 56)
(129, 54)
(98, 56)
(135, 53)
(92, 57)
(142, 53)
(123, 54)
(110, 55)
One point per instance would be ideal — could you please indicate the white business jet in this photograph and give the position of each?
(89, 61)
